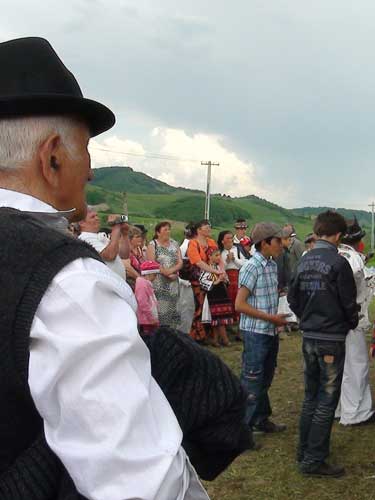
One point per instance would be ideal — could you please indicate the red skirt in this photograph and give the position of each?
(220, 305)
(233, 289)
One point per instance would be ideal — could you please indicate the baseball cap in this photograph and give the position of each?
(264, 230)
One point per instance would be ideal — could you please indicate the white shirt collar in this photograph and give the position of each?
(38, 208)
(27, 203)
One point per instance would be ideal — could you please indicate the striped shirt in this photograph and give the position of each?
(259, 276)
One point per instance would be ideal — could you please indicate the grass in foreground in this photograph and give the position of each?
(271, 473)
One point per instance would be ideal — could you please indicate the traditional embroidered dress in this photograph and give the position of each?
(220, 304)
(232, 268)
(197, 252)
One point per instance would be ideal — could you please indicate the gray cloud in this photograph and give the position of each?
(288, 86)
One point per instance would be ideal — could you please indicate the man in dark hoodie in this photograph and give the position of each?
(323, 295)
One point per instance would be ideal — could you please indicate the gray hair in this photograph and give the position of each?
(20, 137)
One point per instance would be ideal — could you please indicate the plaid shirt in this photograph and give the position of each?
(259, 275)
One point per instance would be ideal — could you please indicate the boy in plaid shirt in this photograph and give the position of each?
(257, 301)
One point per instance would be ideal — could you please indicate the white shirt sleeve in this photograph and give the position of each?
(239, 262)
(94, 240)
(89, 374)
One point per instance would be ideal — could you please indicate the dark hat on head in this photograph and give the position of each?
(240, 224)
(264, 230)
(34, 81)
(354, 231)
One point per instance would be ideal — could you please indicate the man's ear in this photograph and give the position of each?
(50, 156)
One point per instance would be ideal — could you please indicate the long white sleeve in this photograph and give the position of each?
(105, 416)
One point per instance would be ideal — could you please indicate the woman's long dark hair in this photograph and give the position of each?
(220, 239)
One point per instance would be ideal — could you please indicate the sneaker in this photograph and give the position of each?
(268, 427)
(323, 470)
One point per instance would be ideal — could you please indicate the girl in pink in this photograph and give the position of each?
(147, 312)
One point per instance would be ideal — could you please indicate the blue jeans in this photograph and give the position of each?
(259, 359)
(323, 369)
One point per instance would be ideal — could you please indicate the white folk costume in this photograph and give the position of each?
(355, 404)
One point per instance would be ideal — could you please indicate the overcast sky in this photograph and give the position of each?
(281, 93)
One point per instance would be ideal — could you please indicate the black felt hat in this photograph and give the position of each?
(34, 81)
(354, 231)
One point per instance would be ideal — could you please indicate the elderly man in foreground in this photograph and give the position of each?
(73, 363)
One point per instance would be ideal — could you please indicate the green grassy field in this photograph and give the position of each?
(271, 473)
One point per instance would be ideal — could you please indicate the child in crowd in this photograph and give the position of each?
(323, 295)
(220, 306)
(257, 301)
(147, 313)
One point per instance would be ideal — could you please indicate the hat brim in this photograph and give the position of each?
(356, 236)
(278, 234)
(98, 117)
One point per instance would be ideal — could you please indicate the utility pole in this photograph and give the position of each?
(208, 164)
(372, 224)
(125, 205)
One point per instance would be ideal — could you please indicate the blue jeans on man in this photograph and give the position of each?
(259, 360)
(323, 370)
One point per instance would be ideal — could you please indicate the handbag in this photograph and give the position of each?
(205, 281)
(186, 270)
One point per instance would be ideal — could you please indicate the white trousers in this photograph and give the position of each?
(355, 404)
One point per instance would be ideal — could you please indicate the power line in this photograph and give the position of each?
(155, 156)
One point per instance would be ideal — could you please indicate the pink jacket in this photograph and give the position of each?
(147, 312)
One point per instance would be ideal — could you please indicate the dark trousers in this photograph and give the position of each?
(323, 370)
(259, 359)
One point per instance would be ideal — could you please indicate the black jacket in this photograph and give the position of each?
(323, 294)
(283, 270)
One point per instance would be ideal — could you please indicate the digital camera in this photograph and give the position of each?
(119, 220)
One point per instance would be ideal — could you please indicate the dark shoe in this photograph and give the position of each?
(225, 343)
(323, 470)
(214, 344)
(268, 427)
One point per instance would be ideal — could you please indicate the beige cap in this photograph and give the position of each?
(264, 230)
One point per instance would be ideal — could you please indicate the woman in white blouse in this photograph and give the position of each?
(233, 260)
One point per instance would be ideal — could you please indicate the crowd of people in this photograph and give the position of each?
(255, 286)
(194, 283)
(104, 390)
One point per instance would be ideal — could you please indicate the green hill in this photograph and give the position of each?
(149, 201)
(364, 217)
(125, 179)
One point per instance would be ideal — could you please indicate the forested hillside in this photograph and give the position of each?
(149, 200)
